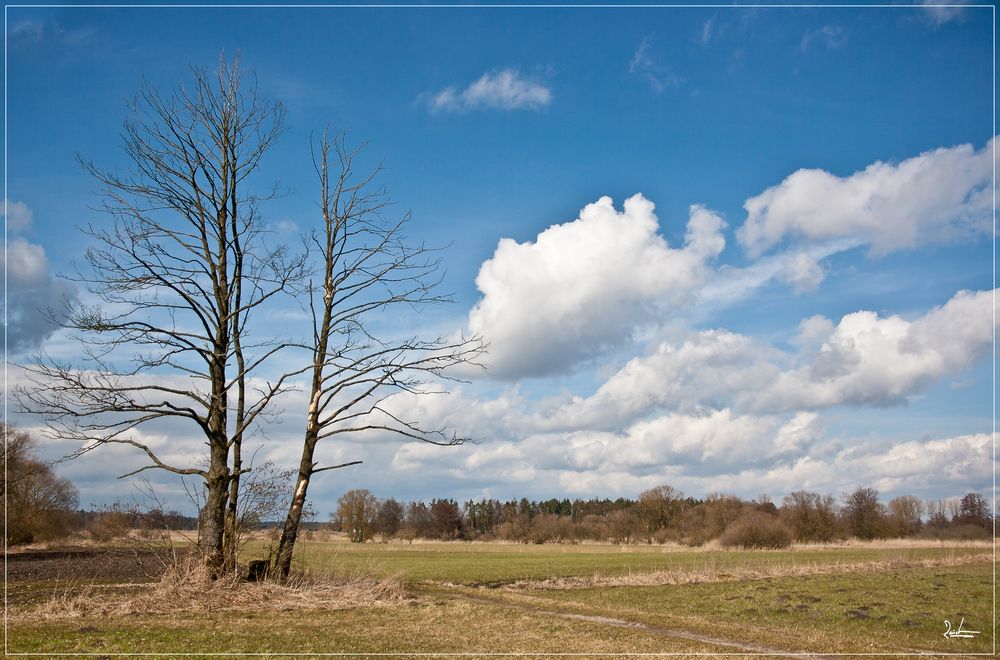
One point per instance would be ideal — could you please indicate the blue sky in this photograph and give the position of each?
(847, 126)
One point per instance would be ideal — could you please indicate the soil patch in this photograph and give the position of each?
(85, 564)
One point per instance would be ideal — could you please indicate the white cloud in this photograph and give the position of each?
(17, 215)
(952, 465)
(706, 371)
(940, 195)
(716, 440)
(26, 264)
(868, 360)
(797, 434)
(33, 294)
(863, 360)
(29, 33)
(803, 273)
(506, 89)
(587, 285)
(800, 268)
(813, 331)
(716, 451)
(284, 227)
(643, 64)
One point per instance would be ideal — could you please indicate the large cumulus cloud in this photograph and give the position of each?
(585, 286)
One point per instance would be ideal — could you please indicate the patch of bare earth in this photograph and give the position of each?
(693, 576)
(87, 563)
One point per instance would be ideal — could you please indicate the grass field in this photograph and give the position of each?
(479, 598)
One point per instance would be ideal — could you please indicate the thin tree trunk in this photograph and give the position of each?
(290, 531)
(232, 531)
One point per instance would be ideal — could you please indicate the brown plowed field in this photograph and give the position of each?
(84, 564)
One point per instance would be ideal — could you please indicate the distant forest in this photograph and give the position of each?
(663, 515)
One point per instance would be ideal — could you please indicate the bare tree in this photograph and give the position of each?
(365, 268)
(179, 273)
(936, 516)
(904, 514)
(974, 510)
(811, 516)
(389, 518)
(864, 514)
(658, 508)
(357, 511)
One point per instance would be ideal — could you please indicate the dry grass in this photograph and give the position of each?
(187, 587)
(732, 574)
(889, 544)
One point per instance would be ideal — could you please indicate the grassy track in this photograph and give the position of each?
(886, 611)
(456, 606)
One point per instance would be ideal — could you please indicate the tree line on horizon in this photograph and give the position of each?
(665, 515)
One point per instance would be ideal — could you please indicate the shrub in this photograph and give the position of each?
(108, 525)
(707, 520)
(666, 535)
(756, 530)
(955, 533)
(515, 530)
(593, 527)
(550, 528)
(621, 526)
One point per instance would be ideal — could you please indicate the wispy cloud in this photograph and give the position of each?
(939, 13)
(26, 32)
(17, 215)
(645, 65)
(506, 89)
(31, 32)
(708, 32)
(829, 37)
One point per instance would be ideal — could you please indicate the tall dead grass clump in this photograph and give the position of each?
(188, 587)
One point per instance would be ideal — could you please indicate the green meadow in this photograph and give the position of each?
(482, 598)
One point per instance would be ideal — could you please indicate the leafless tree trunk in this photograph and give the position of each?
(179, 272)
(366, 268)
